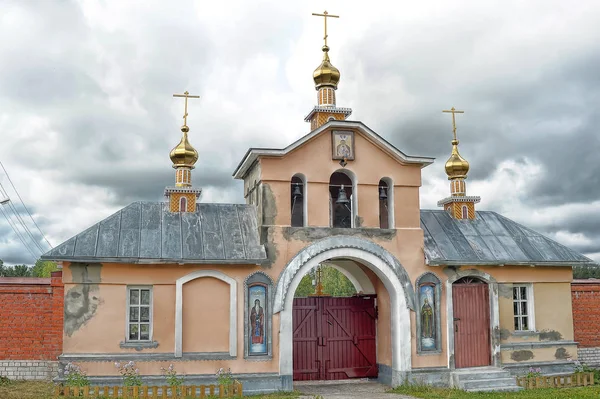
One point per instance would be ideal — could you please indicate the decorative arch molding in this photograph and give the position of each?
(330, 243)
(382, 263)
(179, 307)
(259, 278)
(428, 286)
(455, 275)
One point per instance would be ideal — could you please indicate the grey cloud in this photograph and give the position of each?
(106, 94)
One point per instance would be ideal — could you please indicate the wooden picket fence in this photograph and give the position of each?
(153, 392)
(556, 381)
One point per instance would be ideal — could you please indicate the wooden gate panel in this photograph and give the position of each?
(350, 334)
(471, 304)
(334, 338)
(305, 339)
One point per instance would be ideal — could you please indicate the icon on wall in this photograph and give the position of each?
(257, 299)
(342, 146)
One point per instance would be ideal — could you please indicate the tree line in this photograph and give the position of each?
(333, 281)
(42, 268)
(583, 272)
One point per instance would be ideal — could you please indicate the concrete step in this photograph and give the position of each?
(489, 383)
(483, 375)
(496, 389)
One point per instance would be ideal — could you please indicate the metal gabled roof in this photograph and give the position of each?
(146, 232)
(490, 239)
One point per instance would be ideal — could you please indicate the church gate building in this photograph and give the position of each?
(442, 294)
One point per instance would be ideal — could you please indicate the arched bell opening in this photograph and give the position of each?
(386, 203)
(342, 200)
(298, 201)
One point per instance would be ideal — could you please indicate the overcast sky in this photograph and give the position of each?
(87, 117)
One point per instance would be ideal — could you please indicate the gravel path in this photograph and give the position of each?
(351, 389)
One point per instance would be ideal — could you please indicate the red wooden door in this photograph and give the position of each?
(334, 338)
(471, 304)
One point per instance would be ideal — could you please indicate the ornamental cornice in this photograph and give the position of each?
(183, 190)
(466, 198)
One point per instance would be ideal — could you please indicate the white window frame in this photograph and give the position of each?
(151, 305)
(530, 305)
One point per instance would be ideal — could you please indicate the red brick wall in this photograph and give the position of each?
(31, 317)
(586, 312)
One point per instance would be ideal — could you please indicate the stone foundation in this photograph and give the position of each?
(28, 369)
(589, 356)
(253, 383)
(548, 368)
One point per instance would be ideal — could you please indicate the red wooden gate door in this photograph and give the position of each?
(471, 306)
(334, 338)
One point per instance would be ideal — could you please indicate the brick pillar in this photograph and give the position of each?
(31, 326)
(586, 319)
(56, 324)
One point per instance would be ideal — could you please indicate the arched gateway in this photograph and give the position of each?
(383, 264)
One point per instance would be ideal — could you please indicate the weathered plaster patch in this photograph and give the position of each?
(358, 221)
(504, 334)
(86, 272)
(505, 290)
(269, 206)
(562, 354)
(310, 234)
(268, 240)
(451, 271)
(81, 301)
(521, 356)
(550, 335)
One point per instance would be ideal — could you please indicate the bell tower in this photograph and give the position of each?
(182, 197)
(459, 205)
(326, 78)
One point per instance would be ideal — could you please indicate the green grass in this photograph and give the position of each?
(45, 390)
(426, 392)
(27, 390)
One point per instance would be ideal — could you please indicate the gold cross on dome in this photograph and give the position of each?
(453, 111)
(325, 15)
(186, 95)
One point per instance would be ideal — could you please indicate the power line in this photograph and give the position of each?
(33, 239)
(23, 203)
(20, 219)
(18, 233)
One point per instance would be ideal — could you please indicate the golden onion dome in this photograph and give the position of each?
(184, 154)
(326, 74)
(456, 166)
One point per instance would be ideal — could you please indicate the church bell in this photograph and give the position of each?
(342, 198)
(382, 193)
(297, 192)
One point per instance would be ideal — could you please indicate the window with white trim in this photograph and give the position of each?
(139, 314)
(523, 307)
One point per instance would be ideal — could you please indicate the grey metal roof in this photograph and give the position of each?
(490, 239)
(146, 232)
